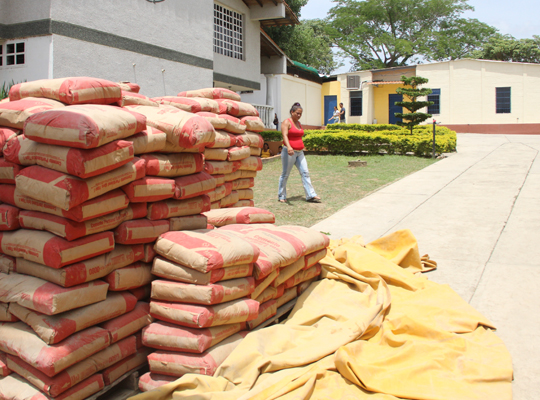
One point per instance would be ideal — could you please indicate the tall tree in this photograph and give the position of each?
(413, 92)
(507, 48)
(389, 33)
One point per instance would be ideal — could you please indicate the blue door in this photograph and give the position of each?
(329, 103)
(392, 98)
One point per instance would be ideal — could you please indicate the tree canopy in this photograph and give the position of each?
(507, 48)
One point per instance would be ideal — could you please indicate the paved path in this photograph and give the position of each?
(477, 213)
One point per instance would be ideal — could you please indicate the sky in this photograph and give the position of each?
(519, 18)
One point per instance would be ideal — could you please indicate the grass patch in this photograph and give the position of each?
(334, 181)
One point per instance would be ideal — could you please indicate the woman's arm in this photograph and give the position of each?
(285, 125)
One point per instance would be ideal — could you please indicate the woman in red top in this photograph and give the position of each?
(293, 154)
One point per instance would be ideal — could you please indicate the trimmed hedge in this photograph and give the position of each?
(271, 136)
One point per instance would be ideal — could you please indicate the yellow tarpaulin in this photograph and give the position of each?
(369, 329)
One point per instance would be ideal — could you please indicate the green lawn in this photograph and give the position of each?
(337, 184)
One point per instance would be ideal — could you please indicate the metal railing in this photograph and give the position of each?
(266, 113)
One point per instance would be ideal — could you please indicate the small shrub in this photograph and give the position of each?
(272, 136)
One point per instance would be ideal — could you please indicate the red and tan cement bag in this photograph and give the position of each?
(263, 283)
(314, 258)
(196, 316)
(4, 370)
(149, 140)
(72, 90)
(14, 114)
(54, 329)
(253, 124)
(83, 163)
(255, 151)
(151, 381)
(217, 194)
(251, 163)
(211, 93)
(280, 290)
(129, 86)
(129, 323)
(6, 134)
(173, 165)
(219, 167)
(142, 293)
(18, 339)
(288, 295)
(269, 293)
(165, 336)
(251, 139)
(53, 251)
(130, 277)
(149, 252)
(180, 273)
(215, 206)
(71, 230)
(215, 120)
(247, 194)
(171, 148)
(178, 208)
(9, 218)
(188, 223)
(105, 204)
(302, 276)
(83, 126)
(84, 271)
(66, 191)
(182, 128)
(213, 293)
(240, 174)
(246, 215)
(7, 263)
(205, 251)
(288, 271)
(46, 297)
(266, 311)
(206, 363)
(243, 203)
(312, 240)
(237, 108)
(193, 185)
(243, 183)
(149, 189)
(238, 153)
(191, 105)
(131, 98)
(71, 376)
(230, 199)
(139, 231)
(216, 154)
(114, 372)
(302, 287)
(5, 315)
(233, 124)
(223, 140)
(8, 171)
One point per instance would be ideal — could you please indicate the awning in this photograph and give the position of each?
(383, 83)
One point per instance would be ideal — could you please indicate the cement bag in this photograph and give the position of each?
(253, 124)
(243, 203)
(230, 199)
(14, 114)
(130, 99)
(267, 294)
(149, 140)
(215, 206)
(250, 163)
(191, 105)
(66, 191)
(193, 185)
(46, 297)
(107, 203)
(5, 315)
(8, 171)
(149, 189)
(180, 273)
(233, 124)
(288, 295)
(243, 183)
(182, 128)
(211, 93)
(6, 134)
(237, 108)
(83, 163)
(9, 218)
(142, 293)
(171, 148)
(129, 86)
(251, 139)
(165, 336)
(288, 271)
(71, 376)
(7, 263)
(129, 323)
(314, 257)
(20, 340)
(54, 329)
(195, 316)
(4, 370)
(84, 271)
(116, 371)
(130, 277)
(266, 311)
(302, 276)
(280, 291)
(151, 381)
(239, 153)
(302, 287)
(149, 252)
(178, 208)
(263, 283)
(173, 165)
(240, 174)
(71, 230)
(205, 251)
(247, 215)
(255, 151)
(216, 121)
(73, 90)
(84, 126)
(223, 140)
(217, 194)
(216, 154)
(188, 223)
(247, 194)
(53, 251)
(219, 167)
(206, 363)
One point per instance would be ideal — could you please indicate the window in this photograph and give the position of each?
(1, 54)
(353, 81)
(228, 32)
(502, 99)
(435, 97)
(356, 103)
(12, 54)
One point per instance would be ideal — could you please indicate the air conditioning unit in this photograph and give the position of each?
(353, 82)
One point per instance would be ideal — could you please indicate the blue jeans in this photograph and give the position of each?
(287, 162)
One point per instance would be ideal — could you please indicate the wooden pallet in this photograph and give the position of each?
(123, 388)
(281, 312)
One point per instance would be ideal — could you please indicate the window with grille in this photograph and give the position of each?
(502, 100)
(228, 32)
(356, 103)
(12, 54)
(435, 97)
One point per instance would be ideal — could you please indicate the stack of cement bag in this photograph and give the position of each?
(216, 285)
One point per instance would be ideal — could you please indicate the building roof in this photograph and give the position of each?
(270, 48)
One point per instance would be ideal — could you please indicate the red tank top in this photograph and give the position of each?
(295, 136)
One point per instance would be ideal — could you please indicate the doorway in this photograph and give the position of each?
(392, 108)
(329, 103)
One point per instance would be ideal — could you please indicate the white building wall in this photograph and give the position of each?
(14, 12)
(308, 94)
(38, 61)
(258, 96)
(367, 98)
